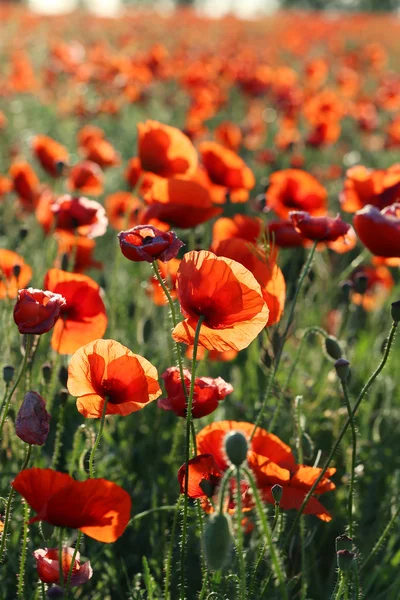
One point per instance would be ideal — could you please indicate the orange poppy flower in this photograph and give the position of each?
(14, 273)
(50, 154)
(99, 508)
(80, 215)
(293, 189)
(86, 177)
(264, 269)
(133, 172)
(226, 294)
(107, 369)
(204, 477)
(84, 318)
(168, 272)
(6, 185)
(180, 202)
(240, 226)
(78, 248)
(123, 210)
(208, 392)
(225, 167)
(102, 152)
(379, 231)
(229, 135)
(323, 134)
(165, 150)
(378, 187)
(379, 283)
(89, 134)
(26, 184)
(212, 355)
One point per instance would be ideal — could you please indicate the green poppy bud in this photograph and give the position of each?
(345, 560)
(396, 311)
(277, 493)
(236, 447)
(332, 347)
(217, 540)
(342, 367)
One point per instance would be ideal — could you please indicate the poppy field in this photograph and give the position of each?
(199, 297)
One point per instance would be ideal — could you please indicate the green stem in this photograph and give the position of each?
(57, 441)
(71, 567)
(239, 533)
(60, 557)
(21, 576)
(224, 483)
(278, 357)
(29, 341)
(187, 452)
(299, 447)
(268, 534)
(95, 446)
(168, 561)
(340, 588)
(381, 539)
(353, 457)
(9, 504)
(344, 429)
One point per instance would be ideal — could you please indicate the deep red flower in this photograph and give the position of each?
(48, 566)
(204, 476)
(32, 422)
(147, 243)
(379, 231)
(86, 177)
(81, 215)
(319, 229)
(207, 393)
(36, 311)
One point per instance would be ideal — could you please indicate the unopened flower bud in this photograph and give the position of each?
(32, 422)
(207, 487)
(236, 447)
(343, 542)
(361, 283)
(346, 287)
(342, 367)
(16, 271)
(63, 396)
(345, 560)
(277, 493)
(60, 166)
(64, 261)
(63, 375)
(333, 348)
(8, 373)
(217, 540)
(23, 232)
(47, 370)
(396, 311)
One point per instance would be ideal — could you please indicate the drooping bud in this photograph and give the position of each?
(32, 422)
(47, 370)
(346, 287)
(277, 493)
(361, 283)
(395, 310)
(345, 560)
(8, 373)
(236, 447)
(342, 367)
(217, 540)
(343, 542)
(333, 348)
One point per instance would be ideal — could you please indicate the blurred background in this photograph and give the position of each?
(215, 8)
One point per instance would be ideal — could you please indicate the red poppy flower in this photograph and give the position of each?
(229, 135)
(6, 185)
(78, 249)
(212, 355)
(133, 172)
(36, 311)
(183, 203)
(87, 178)
(320, 229)
(79, 214)
(379, 283)
(83, 318)
(123, 210)
(48, 566)
(99, 508)
(14, 273)
(240, 226)
(32, 422)
(102, 153)
(226, 294)
(89, 134)
(207, 393)
(107, 369)
(283, 234)
(225, 167)
(293, 189)
(264, 269)
(204, 477)
(26, 184)
(377, 187)
(165, 150)
(49, 153)
(147, 243)
(379, 231)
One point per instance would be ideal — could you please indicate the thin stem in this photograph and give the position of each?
(353, 457)
(268, 534)
(60, 557)
(381, 539)
(9, 504)
(224, 483)
(187, 452)
(29, 341)
(344, 429)
(340, 588)
(22, 563)
(239, 547)
(93, 452)
(168, 561)
(278, 357)
(299, 447)
(71, 567)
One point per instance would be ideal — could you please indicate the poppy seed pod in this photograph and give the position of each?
(236, 447)
(32, 422)
(342, 367)
(343, 542)
(346, 560)
(277, 493)
(217, 541)
(395, 310)
(332, 347)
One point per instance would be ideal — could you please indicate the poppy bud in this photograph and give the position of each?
(23, 232)
(60, 166)
(236, 447)
(217, 540)
(147, 243)
(333, 348)
(64, 261)
(16, 271)
(343, 542)
(342, 369)
(32, 422)
(63, 396)
(277, 493)
(346, 287)
(207, 487)
(361, 283)
(395, 310)
(36, 311)
(47, 370)
(345, 560)
(63, 376)
(8, 373)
